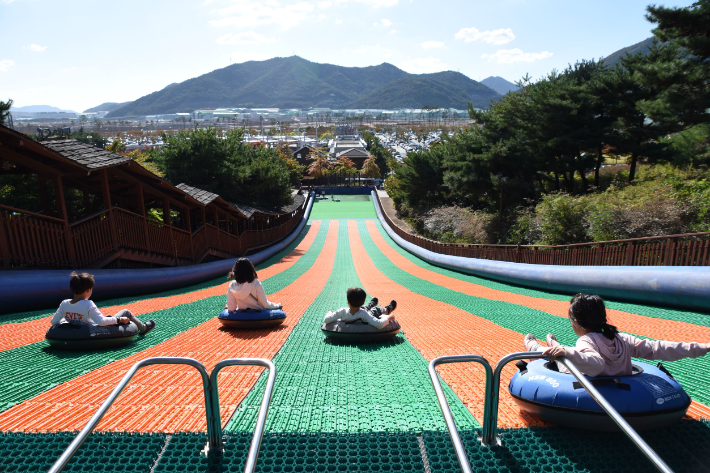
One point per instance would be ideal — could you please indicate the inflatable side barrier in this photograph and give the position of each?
(674, 286)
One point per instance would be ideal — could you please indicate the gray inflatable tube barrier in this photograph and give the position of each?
(36, 289)
(685, 287)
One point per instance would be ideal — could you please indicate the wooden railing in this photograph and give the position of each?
(688, 249)
(29, 239)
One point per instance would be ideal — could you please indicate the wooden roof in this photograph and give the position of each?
(202, 196)
(85, 154)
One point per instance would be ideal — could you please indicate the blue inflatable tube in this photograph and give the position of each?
(252, 318)
(650, 398)
(27, 290)
(674, 286)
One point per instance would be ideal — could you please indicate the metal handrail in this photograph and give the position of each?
(96, 418)
(444, 404)
(490, 416)
(263, 408)
(212, 410)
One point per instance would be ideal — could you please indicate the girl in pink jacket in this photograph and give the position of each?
(601, 350)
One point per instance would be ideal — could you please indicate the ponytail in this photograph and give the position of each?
(609, 331)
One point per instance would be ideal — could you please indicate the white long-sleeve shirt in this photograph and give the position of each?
(84, 311)
(596, 355)
(249, 295)
(345, 315)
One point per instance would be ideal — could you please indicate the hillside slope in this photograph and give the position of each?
(641, 47)
(106, 107)
(294, 82)
(499, 84)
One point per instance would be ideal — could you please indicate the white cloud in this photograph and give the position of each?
(432, 44)
(263, 13)
(511, 56)
(338, 21)
(244, 56)
(393, 31)
(6, 2)
(422, 65)
(246, 37)
(385, 22)
(499, 36)
(372, 3)
(35, 47)
(6, 64)
(325, 4)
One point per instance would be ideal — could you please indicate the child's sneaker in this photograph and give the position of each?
(531, 343)
(149, 325)
(373, 303)
(552, 340)
(391, 307)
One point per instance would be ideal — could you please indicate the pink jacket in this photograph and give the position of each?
(596, 355)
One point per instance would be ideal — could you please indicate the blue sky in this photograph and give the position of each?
(75, 54)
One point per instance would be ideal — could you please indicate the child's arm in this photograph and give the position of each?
(231, 301)
(332, 316)
(260, 295)
(58, 316)
(98, 318)
(375, 322)
(663, 350)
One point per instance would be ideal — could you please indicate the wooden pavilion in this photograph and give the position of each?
(90, 208)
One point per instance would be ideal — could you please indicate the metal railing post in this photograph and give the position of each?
(96, 418)
(215, 437)
(443, 403)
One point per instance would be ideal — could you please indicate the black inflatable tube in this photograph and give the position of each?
(365, 337)
(685, 287)
(36, 289)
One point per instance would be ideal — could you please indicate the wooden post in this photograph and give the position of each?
(216, 224)
(141, 204)
(4, 243)
(630, 254)
(598, 254)
(188, 227)
(62, 211)
(43, 194)
(106, 195)
(166, 211)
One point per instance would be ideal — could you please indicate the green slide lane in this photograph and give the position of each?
(32, 369)
(323, 386)
(692, 373)
(350, 206)
(681, 315)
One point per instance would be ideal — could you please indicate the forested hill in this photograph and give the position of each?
(106, 107)
(499, 84)
(442, 89)
(642, 47)
(294, 82)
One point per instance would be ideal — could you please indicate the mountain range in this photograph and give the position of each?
(499, 84)
(106, 107)
(294, 82)
(39, 109)
(641, 47)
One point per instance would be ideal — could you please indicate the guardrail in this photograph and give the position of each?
(490, 410)
(212, 411)
(687, 249)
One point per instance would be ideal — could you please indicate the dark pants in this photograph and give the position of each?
(131, 317)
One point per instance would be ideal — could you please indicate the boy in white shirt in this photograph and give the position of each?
(371, 313)
(83, 311)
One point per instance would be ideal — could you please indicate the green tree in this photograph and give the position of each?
(227, 166)
(5, 110)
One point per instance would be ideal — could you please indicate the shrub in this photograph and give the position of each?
(457, 225)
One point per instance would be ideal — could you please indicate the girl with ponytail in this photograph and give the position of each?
(601, 350)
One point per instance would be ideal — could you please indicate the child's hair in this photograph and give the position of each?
(80, 282)
(589, 312)
(243, 271)
(356, 296)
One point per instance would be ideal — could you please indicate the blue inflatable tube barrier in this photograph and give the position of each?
(250, 318)
(650, 398)
(36, 289)
(674, 286)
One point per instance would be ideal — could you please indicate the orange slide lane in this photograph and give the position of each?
(437, 329)
(15, 335)
(169, 398)
(660, 329)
